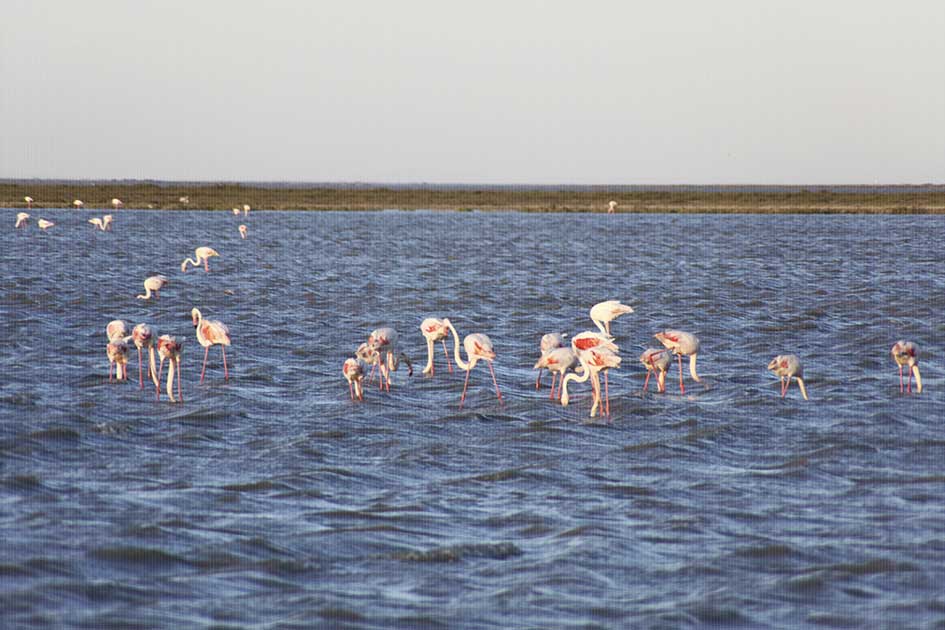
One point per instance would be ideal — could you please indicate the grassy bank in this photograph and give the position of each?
(226, 196)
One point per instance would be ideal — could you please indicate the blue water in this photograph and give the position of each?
(274, 501)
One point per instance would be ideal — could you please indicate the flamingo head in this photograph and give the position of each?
(775, 363)
(195, 316)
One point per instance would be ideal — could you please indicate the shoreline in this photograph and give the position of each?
(215, 197)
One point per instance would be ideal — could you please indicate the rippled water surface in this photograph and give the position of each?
(273, 501)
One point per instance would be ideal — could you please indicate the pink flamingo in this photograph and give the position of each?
(558, 361)
(611, 206)
(478, 346)
(434, 330)
(368, 355)
(787, 366)
(143, 337)
(152, 284)
(203, 254)
(656, 360)
(169, 348)
(117, 203)
(117, 352)
(29, 202)
(107, 222)
(243, 229)
(594, 361)
(385, 340)
(211, 332)
(605, 312)
(22, 218)
(354, 373)
(78, 204)
(548, 343)
(682, 343)
(906, 353)
(116, 330)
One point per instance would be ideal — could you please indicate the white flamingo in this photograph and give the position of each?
(169, 348)
(22, 218)
(29, 202)
(98, 222)
(594, 361)
(203, 254)
(384, 340)
(682, 343)
(243, 229)
(143, 337)
(44, 224)
(153, 284)
(246, 209)
(434, 330)
(656, 360)
(116, 330)
(478, 346)
(787, 366)
(78, 203)
(548, 342)
(117, 352)
(354, 374)
(211, 332)
(557, 361)
(611, 206)
(906, 354)
(117, 203)
(605, 312)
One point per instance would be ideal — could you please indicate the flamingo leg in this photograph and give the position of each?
(180, 395)
(371, 375)
(206, 264)
(140, 371)
(909, 388)
(606, 393)
(646, 383)
(551, 395)
(449, 366)
(465, 385)
(203, 371)
(682, 388)
(497, 392)
(900, 380)
(226, 372)
(538, 380)
(351, 390)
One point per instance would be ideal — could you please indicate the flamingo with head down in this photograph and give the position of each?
(354, 374)
(478, 347)
(211, 332)
(548, 342)
(22, 218)
(788, 366)
(29, 202)
(434, 330)
(43, 224)
(203, 254)
(557, 361)
(656, 360)
(682, 343)
(384, 342)
(603, 313)
(152, 284)
(594, 361)
(143, 337)
(169, 348)
(906, 354)
(117, 352)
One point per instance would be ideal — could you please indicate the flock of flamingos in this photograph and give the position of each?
(589, 353)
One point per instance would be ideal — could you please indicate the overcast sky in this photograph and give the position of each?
(597, 92)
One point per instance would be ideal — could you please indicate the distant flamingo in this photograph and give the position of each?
(78, 204)
(152, 284)
(434, 330)
(143, 337)
(478, 346)
(368, 355)
(22, 218)
(203, 254)
(211, 333)
(611, 207)
(243, 230)
(354, 374)
(384, 340)
(43, 224)
(117, 203)
(594, 361)
(656, 360)
(116, 330)
(558, 361)
(97, 222)
(169, 348)
(682, 343)
(246, 209)
(29, 202)
(605, 312)
(107, 222)
(184, 200)
(787, 366)
(906, 353)
(117, 352)
(236, 211)
(548, 342)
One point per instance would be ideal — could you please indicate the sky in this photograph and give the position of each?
(491, 92)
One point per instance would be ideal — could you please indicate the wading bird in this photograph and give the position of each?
(117, 352)
(548, 342)
(243, 230)
(611, 207)
(22, 218)
(78, 204)
(906, 354)
(203, 254)
(605, 312)
(143, 337)
(97, 222)
(593, 361)
(169, 348)
(478, 346)
(246, 209)
(557, 361)
(29, 202)
(787, 366)
(211, 332)
(153, 284)
(656, 360)
(43, 224)
(434, 330)
(384, 342)
(116, 330)
(354, 374)
(117, 203)
(682, 343)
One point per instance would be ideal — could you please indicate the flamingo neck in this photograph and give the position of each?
(600, 326)
(429, 366)
(692, 367)
(459, 360)
(574, 377)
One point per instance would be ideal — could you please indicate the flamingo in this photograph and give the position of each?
(906, 353)
(787, 366)
(605, 312)
(184, 200)
(117, 203)
(246, 209)
(236, 211)
(97, 222)
(611, 207)
(589, 339)
(211, 332)
(385, 340)
(369, 356)
(682, 343)
(169, 348)
(434, 330)
(22, 218)
(78, 204)
(143, 337)
(116, 330)
(43, 224)
(242, 230)
(107, 222)
(117, 352)
(29, 202)
(594, 361)
(656, 360)
(203, 254)
(548, 343)
(478, 346)
(558, 361)
(152, 284)
(354, 374)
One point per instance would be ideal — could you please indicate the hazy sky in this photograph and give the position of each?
(739, 91)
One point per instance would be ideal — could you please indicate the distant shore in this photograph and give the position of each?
(167, 196)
